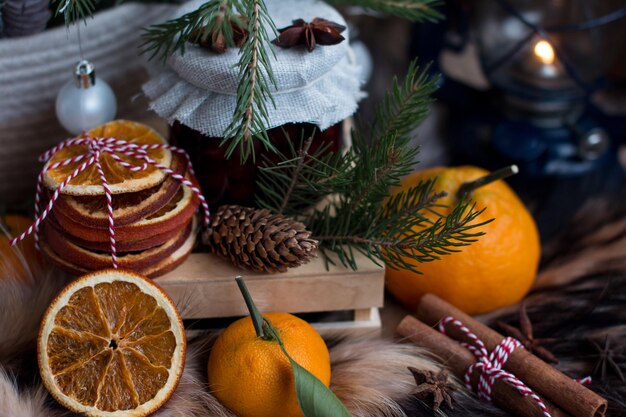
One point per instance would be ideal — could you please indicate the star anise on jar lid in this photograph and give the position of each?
(433, 388)
(215, 39)
(317, 32)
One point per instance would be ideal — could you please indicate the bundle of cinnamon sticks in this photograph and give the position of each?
(562, 395)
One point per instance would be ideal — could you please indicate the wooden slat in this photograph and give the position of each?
(363, 314)
(204, 287)
(368, 325)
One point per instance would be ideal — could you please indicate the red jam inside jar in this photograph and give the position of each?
(227, 180)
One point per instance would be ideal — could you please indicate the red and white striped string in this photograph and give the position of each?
(95, 148)
(109, 199)
(489, 365)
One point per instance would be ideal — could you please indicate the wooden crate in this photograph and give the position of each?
(204, 287)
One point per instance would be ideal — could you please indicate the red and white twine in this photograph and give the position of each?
(489, 365)
(95, 148)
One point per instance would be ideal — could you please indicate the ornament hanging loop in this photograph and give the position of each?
(85, 74)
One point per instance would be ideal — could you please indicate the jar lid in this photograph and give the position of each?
(198, 88)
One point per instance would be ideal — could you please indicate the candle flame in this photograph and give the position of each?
(544, 51)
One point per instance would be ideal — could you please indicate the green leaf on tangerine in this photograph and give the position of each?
(315, 398)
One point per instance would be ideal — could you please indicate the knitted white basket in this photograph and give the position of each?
(33, 69)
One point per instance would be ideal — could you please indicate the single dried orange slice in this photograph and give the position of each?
(120, 179)
(112, 344)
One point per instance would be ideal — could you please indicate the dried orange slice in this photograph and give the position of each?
(120, 179)
(112, 344)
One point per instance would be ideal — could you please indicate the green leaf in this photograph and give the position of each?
(315, 398)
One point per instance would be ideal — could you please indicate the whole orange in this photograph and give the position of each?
(497, 270)
(23, 259)
(253, 377)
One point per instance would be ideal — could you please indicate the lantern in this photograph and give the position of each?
(545, 61)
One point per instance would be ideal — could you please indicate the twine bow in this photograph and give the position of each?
(489, 365)
(95, 148)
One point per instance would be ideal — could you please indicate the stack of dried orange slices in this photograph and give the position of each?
(153, 213)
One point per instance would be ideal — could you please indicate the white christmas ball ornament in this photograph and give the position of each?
(85, 102)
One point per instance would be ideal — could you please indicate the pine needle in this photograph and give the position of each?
(414, 10)
(406, 104)
(250, 119)
(301, 178)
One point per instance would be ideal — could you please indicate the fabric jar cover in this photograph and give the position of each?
(198, 88)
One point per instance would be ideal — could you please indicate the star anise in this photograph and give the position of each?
(318, 31)
(433, 388)
(215, 40)
(525, 335)
(606, 361)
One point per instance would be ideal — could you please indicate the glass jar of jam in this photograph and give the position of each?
(313, 92)
(228, 180)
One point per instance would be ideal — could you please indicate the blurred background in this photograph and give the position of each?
(541, 84)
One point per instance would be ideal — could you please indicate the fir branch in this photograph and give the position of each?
(407, 206)
(389, 157)
(301, 178)
(406, 105)
(164, 39)
(380, 166)
(361, 216)
(414, 10)
(406, 245)
(446, 235)
(404, 231)
(302, 154)
(250, 118)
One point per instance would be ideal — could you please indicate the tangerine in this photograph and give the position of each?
(253, 377)
(22, 261)
(493, 272)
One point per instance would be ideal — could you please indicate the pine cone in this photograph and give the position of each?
(25, 17)
(258, 240)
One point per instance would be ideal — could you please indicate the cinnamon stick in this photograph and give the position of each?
(458, 359)
(538, 375)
